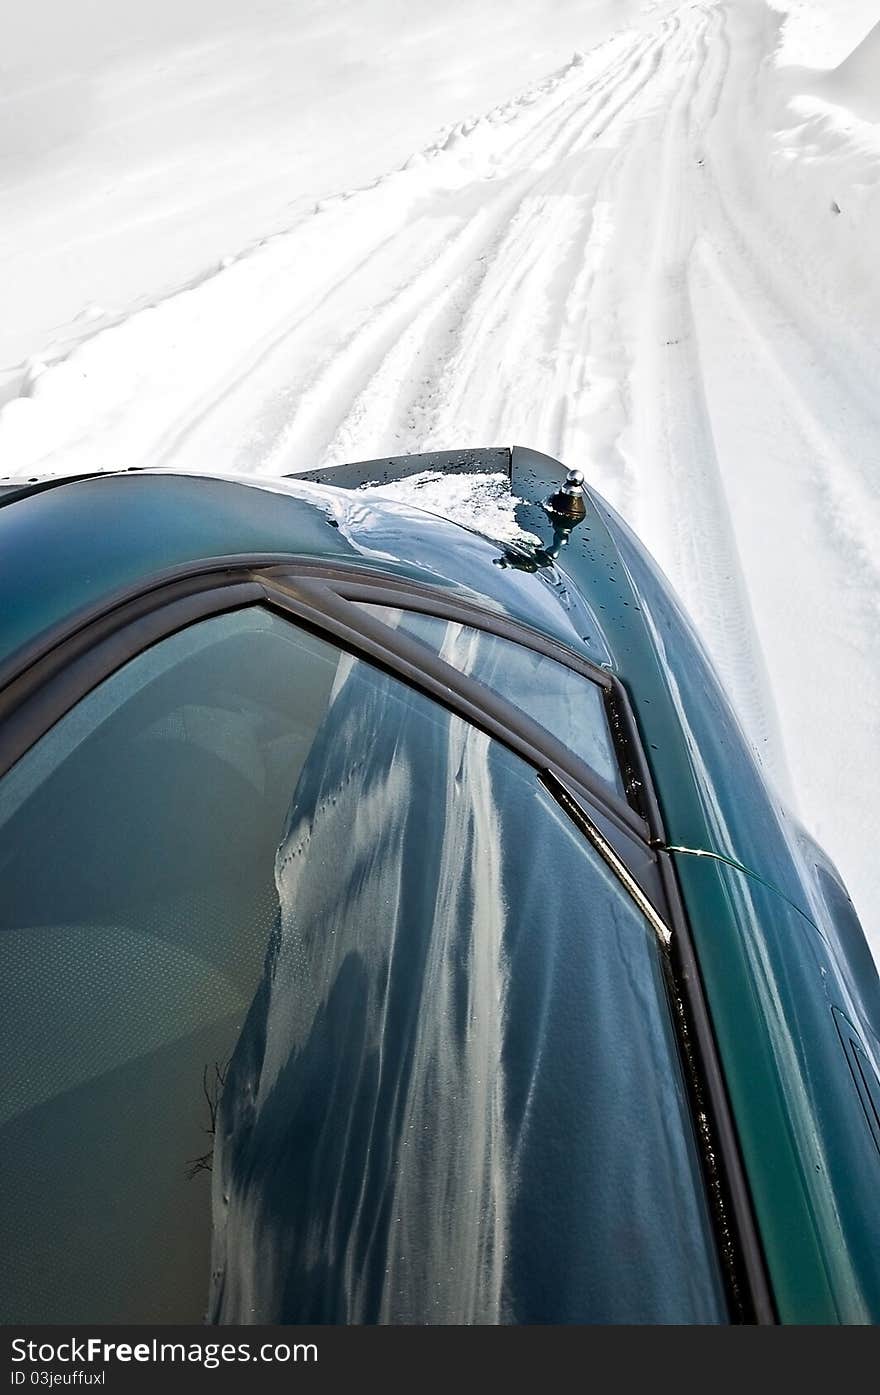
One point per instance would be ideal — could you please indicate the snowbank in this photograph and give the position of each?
(821, 33)
(139, 147)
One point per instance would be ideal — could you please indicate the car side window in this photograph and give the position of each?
(316, 1007)
(568, 705)
(137, 848)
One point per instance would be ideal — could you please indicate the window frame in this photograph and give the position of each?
(47, 679)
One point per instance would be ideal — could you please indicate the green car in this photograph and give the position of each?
(396, 927)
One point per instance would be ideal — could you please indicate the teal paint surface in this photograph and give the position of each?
(774, 965)
(772, 961)
(67, 548)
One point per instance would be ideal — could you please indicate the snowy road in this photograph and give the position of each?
(630, 265)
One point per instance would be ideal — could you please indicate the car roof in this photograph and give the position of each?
(67, 545)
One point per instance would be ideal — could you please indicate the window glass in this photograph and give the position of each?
(315, 1007)
(137, 851)
(565, 703)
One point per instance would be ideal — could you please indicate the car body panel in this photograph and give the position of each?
(766, 966)
(770, 973)
(65, 549)
(778, 971)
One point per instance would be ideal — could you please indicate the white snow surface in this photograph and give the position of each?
(640, 237)
(483, 502)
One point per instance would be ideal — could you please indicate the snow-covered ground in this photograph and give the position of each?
(645, 240)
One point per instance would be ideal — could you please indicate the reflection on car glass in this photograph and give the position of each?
(456, 1097)
(310, 1037)
(565, 703)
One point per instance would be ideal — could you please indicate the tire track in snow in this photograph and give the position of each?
(772, 395)
(810, 374)
(846, 503)
(816, 608)
(501, 298)
(420, 320)
(178, 402)
(242, 395)
(683, 510)
(230, 406)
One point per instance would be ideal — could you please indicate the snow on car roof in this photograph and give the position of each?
(482, 502)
